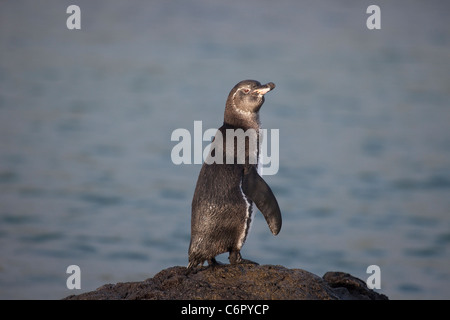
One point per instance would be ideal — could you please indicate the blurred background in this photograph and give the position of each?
(86, 117)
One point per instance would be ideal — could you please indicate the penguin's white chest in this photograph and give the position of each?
(248, 219)
(249, 207)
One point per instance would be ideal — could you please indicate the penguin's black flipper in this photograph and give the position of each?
(260, 193)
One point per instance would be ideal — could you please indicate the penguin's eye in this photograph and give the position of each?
(246, 90)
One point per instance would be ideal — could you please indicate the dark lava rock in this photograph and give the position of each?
(350, 288)
(243, 282)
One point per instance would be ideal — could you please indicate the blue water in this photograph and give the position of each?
(86, 117)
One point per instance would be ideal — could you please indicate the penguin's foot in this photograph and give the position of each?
(236, 258)
(214, 263)
(196, 267)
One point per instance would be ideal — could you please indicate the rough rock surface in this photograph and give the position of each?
(246, 282)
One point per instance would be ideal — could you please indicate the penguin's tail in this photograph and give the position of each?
(190, 267)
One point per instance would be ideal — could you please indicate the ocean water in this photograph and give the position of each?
(86, 117)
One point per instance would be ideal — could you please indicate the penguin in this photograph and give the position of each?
(222, 205)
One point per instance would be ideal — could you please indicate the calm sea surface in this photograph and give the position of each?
(86, 118)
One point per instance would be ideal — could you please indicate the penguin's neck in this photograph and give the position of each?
(242, 119)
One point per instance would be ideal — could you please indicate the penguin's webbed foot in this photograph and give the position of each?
(214, 263)
(236, 258)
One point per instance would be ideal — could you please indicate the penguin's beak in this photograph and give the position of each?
(262, 90)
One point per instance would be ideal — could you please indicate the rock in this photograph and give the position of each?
(243, 282)
(351, 288)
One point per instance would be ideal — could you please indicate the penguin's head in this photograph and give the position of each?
(246, 98)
